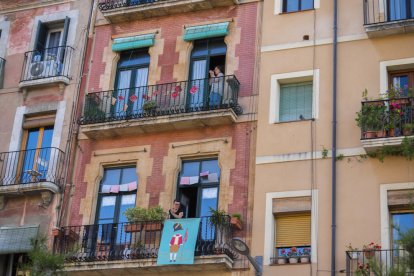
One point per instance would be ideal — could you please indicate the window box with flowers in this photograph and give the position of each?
(305, 255)
(293, 255)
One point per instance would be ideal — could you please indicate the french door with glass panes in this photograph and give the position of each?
(113, 200)
(131, 84)
(35, 156)
(206, 54)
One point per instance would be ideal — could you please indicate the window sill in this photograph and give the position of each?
(296, 121)
(292, 12)
(289, 264)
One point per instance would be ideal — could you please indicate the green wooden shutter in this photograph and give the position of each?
(293, 230)
(65, 31)
(40, 41)
(295, 101)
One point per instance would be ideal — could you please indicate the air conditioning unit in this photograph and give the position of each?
(45, 69)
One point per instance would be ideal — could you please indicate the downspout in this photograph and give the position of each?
(334, 96)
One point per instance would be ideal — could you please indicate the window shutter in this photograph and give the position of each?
(295, 101)
(65, 31)
(293, 230)
(40, 42)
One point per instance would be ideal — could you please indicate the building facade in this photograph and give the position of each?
(293, 199)
(167, 113)
(41, 49)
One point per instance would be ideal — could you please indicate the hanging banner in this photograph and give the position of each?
(178, 241)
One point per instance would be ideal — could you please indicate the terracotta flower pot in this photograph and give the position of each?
(136, 227)
(369, 134)
(55, 232)
(153, 226)
(236, 223)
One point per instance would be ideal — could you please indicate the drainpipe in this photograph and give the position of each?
(334, 85)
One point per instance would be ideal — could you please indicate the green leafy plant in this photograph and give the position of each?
(149, 105)
(238, 216)
(371, 117)
(406, 149)
(42, 261)
(324, 153)
(218, 217)
(408, 129)
(138, 214)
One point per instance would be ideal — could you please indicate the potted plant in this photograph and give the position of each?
(305, 255)
(293, 255)
(371, 120)
(218, 218)
(282, 257)
(236, 221)
(369, 249)
(408, 129)
(149, 106)
(138, 217)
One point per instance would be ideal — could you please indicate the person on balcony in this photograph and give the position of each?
(217, 86)
(176, 212)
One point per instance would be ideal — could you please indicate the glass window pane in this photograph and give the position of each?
(200, 48)
(107, 208)
(401, 82)
(32, 139)
(292, 5)
(134, 58)
(47, 137)
(307, 4)
(397, 9)
(190, 169)
(212, 167)
(128, 175)
(217, 47)
(111, 177)
(401, 224)
(208, 199)
(127, 201)
(295, 102)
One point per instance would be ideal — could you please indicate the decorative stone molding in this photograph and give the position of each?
(46, 198)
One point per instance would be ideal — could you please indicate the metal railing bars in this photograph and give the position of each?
(32, 166)
(162, 99)
(47, 63)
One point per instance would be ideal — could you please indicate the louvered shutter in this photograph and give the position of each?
(295, 101)
(293, 230)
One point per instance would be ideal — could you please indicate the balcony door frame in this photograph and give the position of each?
(133, 68)
(207, 57)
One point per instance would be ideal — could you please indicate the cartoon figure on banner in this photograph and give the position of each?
(177, 241)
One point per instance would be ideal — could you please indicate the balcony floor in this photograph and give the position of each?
(159, 124)
(206, 264)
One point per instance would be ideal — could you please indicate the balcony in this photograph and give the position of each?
(2, 64)
(388, 17)
(134, 247)
(378, 262)
(162, 107)
(44, 67)
(127, 10)
(33, 170)
(386, 122)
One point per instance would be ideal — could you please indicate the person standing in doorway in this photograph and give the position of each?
(217, 86)
(176, 212)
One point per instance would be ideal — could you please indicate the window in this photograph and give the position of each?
(401, 222)
(50, 40)
(206, 55)
(292, 230)
(117, 192)
(403, 80)
(295, 102)
(400, 9)
(36, 151)
(297, 5)
(198, 187)
(131, 82)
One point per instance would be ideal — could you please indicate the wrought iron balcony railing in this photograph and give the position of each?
(378, 262)
(140, 240)
(47, 63)
(32, 166)
(162, 99)
(2, 64)
(387, 118)
(105, 5)
(383, 11)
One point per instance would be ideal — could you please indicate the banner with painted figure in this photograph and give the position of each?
(178, 241)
